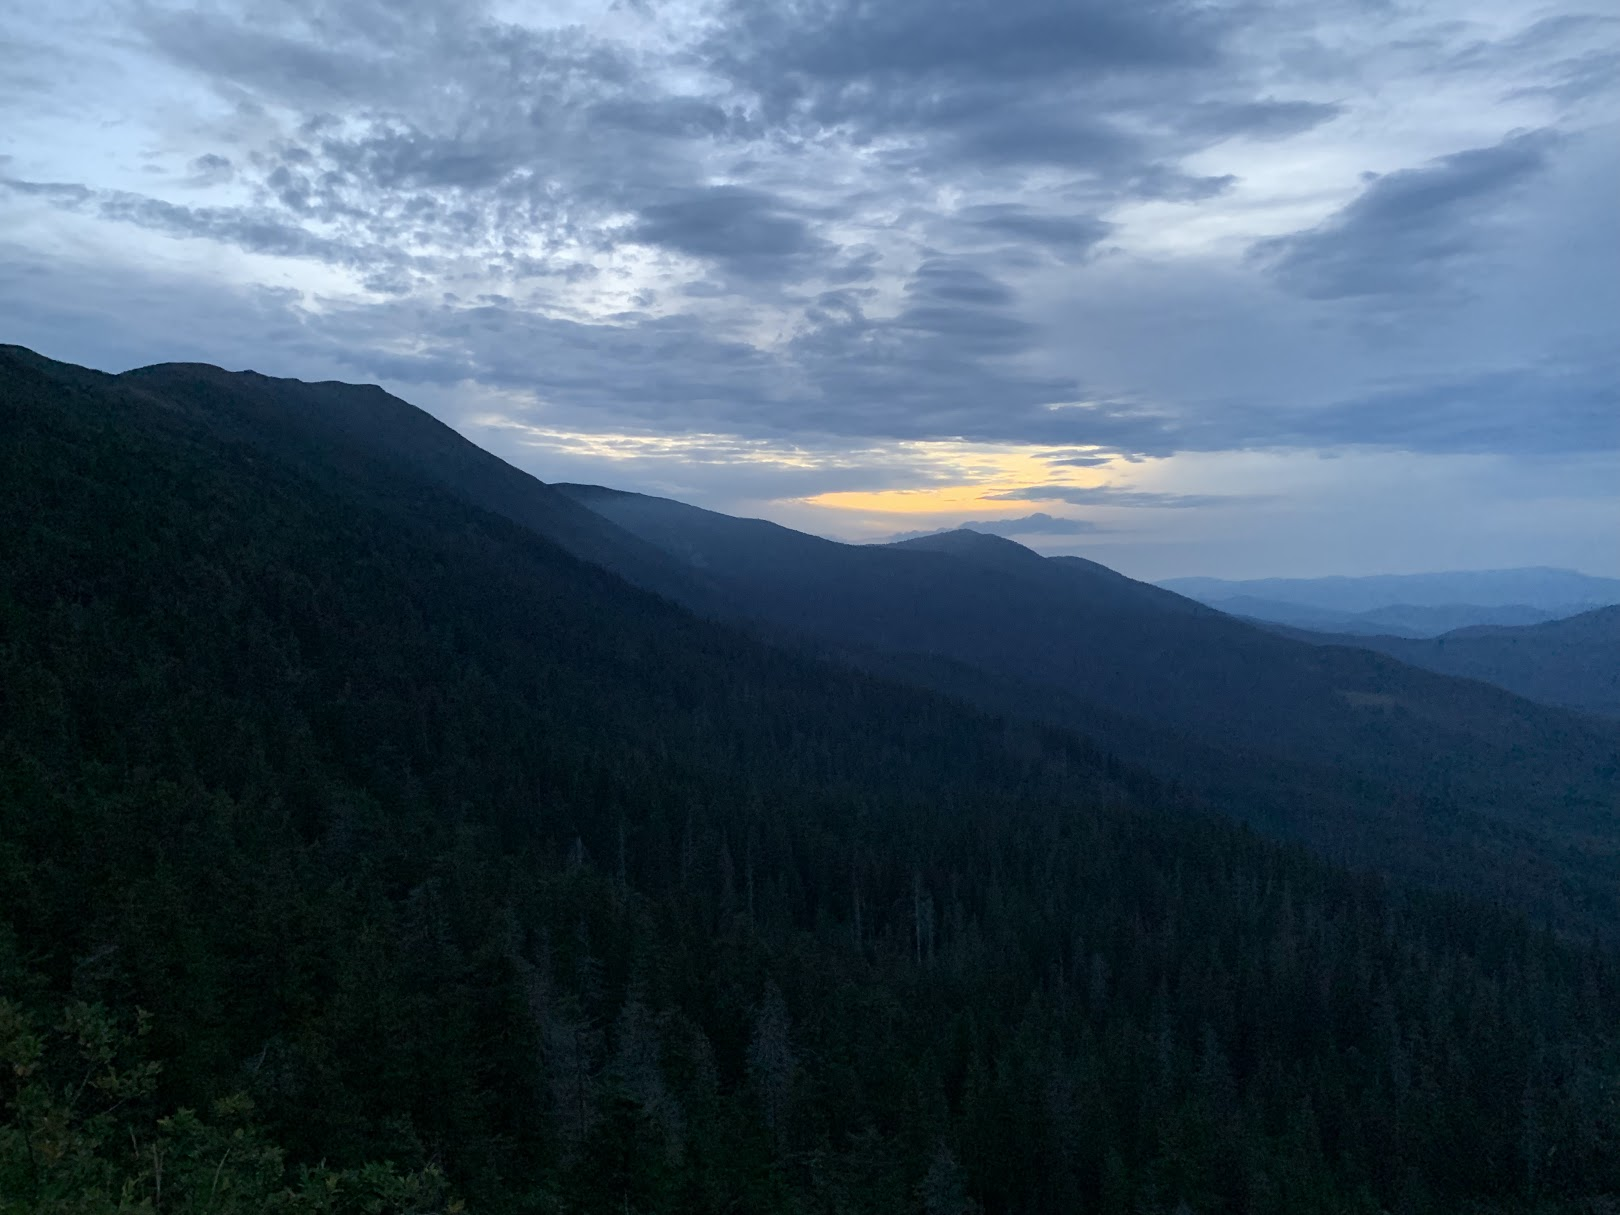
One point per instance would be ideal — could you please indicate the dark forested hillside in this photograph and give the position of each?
(1439, 779)
(362, 850)
(1144, 652)
(1132, 648)
(334, 424)
(1574, 663)
(1363, 759)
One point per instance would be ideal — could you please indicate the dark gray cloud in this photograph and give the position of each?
(1085, 459)
(1031, 133)
(442, 129)
(851, 41)
(952, 363)
(1116, 92)
(255, 230)
(1576, 79)
(1162, 184)
(667, 117)
(941, 281)
(1038, 524)
(747, 231)
(965, 67)
(1070, 235)
(211, 169)
(847, 379)
(1562, 44)
(1412, 231)
(1565, 405)
(1265, 118)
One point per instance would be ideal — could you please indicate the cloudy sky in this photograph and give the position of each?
(1232, 287)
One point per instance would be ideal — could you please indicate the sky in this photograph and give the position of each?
(1224, 287)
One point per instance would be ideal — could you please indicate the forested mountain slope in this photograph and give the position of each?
(1344, 747)
(334, 424)
(1574, 663)
(1136, 649)
(1132, 655)
(443, 848)
(1365, 760)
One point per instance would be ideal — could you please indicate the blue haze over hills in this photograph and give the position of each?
(1407, 605)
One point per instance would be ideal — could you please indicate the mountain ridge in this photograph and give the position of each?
(1287, 730)
(1572, 662)
(1544, 587)
(370, 845)
(366, 418)
(1143, 665)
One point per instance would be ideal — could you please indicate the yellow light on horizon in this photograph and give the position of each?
(941, 500)
(978, 471)
(956, 477)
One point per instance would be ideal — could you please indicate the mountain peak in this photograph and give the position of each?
(967, 542)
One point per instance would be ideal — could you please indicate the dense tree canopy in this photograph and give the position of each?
(358, 847)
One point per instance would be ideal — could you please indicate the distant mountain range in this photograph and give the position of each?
(1519, 631)
(1538, 587)
(1407, 605)
(1395, 620)
(1573, 662)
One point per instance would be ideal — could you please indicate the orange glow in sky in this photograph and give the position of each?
(973, 472)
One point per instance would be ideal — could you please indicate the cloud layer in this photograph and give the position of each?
(1108, 233)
